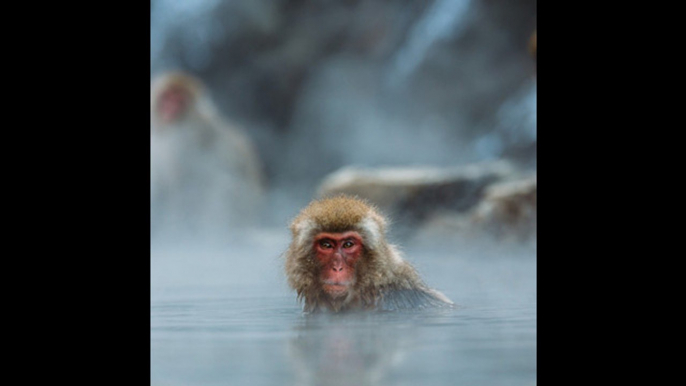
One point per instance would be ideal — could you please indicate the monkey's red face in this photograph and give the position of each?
(172, 104)
(337, 254)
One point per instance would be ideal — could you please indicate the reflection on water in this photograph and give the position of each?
(224, 315)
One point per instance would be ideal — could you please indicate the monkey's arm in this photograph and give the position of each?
(415, 298)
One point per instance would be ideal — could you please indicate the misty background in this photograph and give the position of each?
(319, 84)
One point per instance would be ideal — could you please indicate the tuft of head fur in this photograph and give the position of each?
(339, 214)
(380, 269)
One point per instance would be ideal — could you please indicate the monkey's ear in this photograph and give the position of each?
(375, 228)
(301, 230)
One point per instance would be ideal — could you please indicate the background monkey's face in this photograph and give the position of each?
(337, 255)
(172, 104)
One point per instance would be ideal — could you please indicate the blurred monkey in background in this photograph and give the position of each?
(205, 175)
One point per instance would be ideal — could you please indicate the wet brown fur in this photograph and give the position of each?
(379, 272)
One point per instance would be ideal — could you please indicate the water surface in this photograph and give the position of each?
(223, 315)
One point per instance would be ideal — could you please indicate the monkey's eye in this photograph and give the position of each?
(348, 244)
(325, 244)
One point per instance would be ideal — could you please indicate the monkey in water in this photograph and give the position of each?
(339, 260)
(205, 175)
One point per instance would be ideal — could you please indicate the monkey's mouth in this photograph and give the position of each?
(336, 288)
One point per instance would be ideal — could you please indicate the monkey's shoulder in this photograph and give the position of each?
(392, 299)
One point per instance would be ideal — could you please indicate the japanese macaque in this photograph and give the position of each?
(205, 175)
(339, 260)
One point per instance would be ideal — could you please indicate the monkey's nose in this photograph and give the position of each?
(339, 269)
